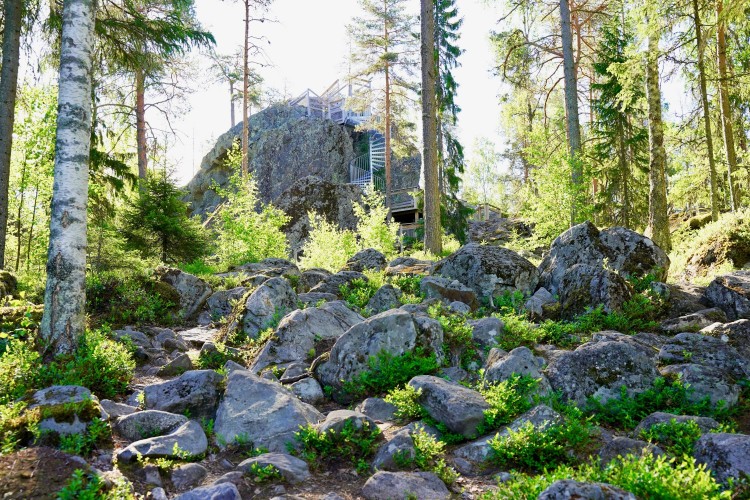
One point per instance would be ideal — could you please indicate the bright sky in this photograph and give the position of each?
(308, 48)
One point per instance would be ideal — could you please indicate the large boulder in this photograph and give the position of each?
(291, 468)
(331, 201)
(219, 304)
(187, 441)
(624, 251)
(149, 423)
(584, 287)
(368, 259)
(459, 408)
(489, 270)
(731, 293)
(193, 291)
(332, 284)
(265, 305)
(447, 290)
(394, 332)
(196, 392)
(706, 351)
(601, 369)
(261, 411)
(704, 382)
(390, 485)
(304, 332)
(519, 361)
(284, 145)
(568, 489)
(387, 297)
(65, 409)
(727, 455)
(736, 334)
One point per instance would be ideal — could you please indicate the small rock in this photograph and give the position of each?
(459, 408)
(199, 335)
(272, 299)
(221, 491)
(178, 365)
(337, 420)
(694, 321)
(387, 297)
(731, 293)
(377, 409)
(623, 446)
(308, 390)
(195, 391)
(736, 334)
(332, 284)
(705, 424)
(149, 423)
(705, 382)
(583, 287)
(541, 304)
(192, 290)
(116, 410)
(150, 475)
(188, 440)
(188, 475)
(291, 468)
(519, 361)
(487, 332)
(447, 290)
(158, 494)
(706, 351)
(568, 489)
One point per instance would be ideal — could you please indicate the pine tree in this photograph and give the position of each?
(432, 230)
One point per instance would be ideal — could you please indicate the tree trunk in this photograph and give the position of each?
(726, 110)
(13, 15)
(65, 295)
(245, 84)
(31, 226)
(658, 217)
(231, 104)
(571, 99)
(706, 112)
(19, 213)
(387, 117)
(624, 173)
(140, 122)
(432, 232)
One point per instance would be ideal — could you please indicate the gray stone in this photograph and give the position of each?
(234, 477)
(408, 266)
(694, 321)
(377, 409)
(261, 411)
(188, 475)
(308, 390)
(727, 455)
(705, 424)
(705, 382)
(149, 423)
(337, 420)
(116, 410)
(447, 290)
(731, 293)
(299, 335)
(540, 304)
(459, 408)
(56, 398)
(568, 489)
(489, 270)
(736, 334)
(624, 446)
(389, 485)
(680, 299)
(220, 304)
(273, 299)
(457, 307)
(625, 252)
(291, 468)
(192, 290)
(271, 268)
(584, 287)
(519, 361)
(600, 369)
(706, 351)
(368, 259)
(387, 297)
(333, 202)
(222, 491)
(401, 445)
(315, 299)
(138, 338)
(188, 440)
(332, 284)
(178, 365)
(310, 278)
(395, 332)
(159, 494)
(196, 392)
(294, 370)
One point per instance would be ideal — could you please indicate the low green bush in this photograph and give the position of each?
(458, 339)
(97, 432)
(406, 401)
(119, 299)
(88, 486)
(656, 478)
(678, 438)
(358, 292)
(507, 399)
(350, 444)
(429, 456)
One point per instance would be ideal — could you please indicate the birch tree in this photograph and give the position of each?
(64, 298)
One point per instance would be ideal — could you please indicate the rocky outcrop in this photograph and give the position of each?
(624, 251)
(367, 259)
(333, 202)
(489, 271)
(149, 423)
(195, 391)
(583, 287)
(262, 308)
(187, 441)
(459, 408)
(284, 146)
(193, 291)
(727, 455)
(731, 293)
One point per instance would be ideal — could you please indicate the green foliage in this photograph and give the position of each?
(264, 474)
(130, 299)
(215, 359)
(156, 223)
(429, 455)
(507, 399)
(327, 246)
(82, 486)
(387, 371)
(19, 326)
(533, 448)
(406, 401)
(358, 292)
(96, 433)
(373, 228)
(408, 284)
(671, 397)
(657, 478)
(351, 443)
(247, 230)
(457, 335)
(676, 437)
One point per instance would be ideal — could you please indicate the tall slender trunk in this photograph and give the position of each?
(64, 317)
(388, 186)
(432, 232)
(13, 16)
(571, 100)
(140, 122)
(245, 84)
(726, 110)
(231, 103)
(706, 112)
(624, 173)
(658, 217)
(31, 226)
(19, 213)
